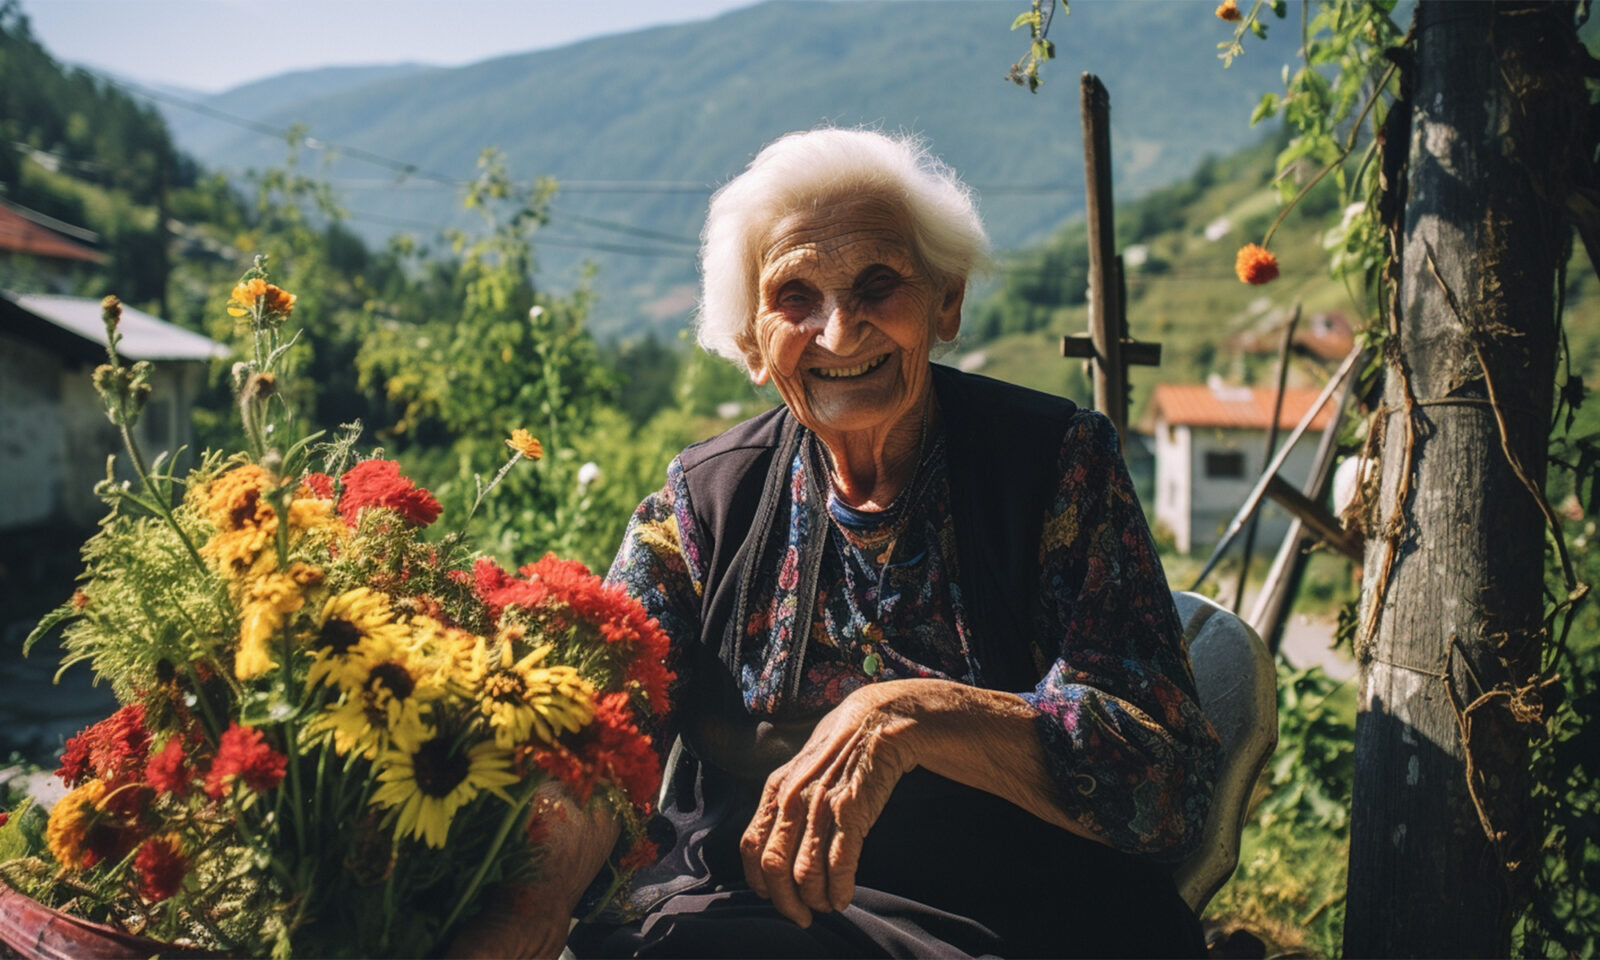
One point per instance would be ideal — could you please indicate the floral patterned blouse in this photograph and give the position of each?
(1132, 755)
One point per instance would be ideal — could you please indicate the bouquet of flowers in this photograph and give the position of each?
(334, 725)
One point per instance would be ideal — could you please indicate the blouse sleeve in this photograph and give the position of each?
(1133, 757)
(658, 565)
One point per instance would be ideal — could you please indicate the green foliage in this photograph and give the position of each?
(1290, 883)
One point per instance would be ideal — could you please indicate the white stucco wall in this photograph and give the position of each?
(30, 432)
(54, 435)
(1214, 501)
(1171, 447)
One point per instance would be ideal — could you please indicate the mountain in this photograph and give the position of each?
(670, 111)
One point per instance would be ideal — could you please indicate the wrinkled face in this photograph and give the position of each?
(846, 316)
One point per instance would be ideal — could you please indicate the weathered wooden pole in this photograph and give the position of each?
(1105, 318)
(1453, 583)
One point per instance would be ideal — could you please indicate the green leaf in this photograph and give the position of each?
(1268, 107)
(62, 614)
(1280, 8)
(1258, 28)
(1024, 18)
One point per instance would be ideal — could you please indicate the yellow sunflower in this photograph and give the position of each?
(449, 652)
(434, 779)
(389, 708)
(355, 631)
(67, 833)
(525, 697)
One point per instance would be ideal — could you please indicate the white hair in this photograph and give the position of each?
(802, 170)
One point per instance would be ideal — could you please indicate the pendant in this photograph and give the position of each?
(870, 662)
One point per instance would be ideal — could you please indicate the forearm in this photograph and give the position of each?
(986, 739)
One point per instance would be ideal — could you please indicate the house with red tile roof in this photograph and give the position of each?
(54, 436)
(1210, 443)
(39, 251)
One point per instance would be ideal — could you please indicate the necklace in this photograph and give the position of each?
(871, 635)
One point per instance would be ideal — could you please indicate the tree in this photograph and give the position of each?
(1453, 625)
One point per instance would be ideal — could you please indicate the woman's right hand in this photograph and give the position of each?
(533, 920)
(508, 928)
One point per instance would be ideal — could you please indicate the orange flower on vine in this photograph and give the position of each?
(1229, 11)
(1255, 265)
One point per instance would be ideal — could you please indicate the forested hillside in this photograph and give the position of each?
(636, 127)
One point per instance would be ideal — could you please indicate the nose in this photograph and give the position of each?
(841, 331)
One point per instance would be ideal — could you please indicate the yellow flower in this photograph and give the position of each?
(448, 651)
(526, 444)
(311, 514)
(67, 833)
(355, 631)
(236, 505)
(387, 710)
(236, 499)
(524, 698)
(267, 604)
(244, 296)
(433, 780)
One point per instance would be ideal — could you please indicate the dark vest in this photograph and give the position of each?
(937, 842)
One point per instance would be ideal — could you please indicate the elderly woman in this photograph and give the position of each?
(932, 695)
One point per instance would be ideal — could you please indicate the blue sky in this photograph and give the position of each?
(211, 45)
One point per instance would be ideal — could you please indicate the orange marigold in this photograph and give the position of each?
(526, 444)
(68, 834)
(1255, 265)
(1229, 11)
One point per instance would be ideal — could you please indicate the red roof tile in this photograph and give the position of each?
(18, 234)
(1240, 408)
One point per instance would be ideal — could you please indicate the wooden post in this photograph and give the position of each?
(1105, 323)
(1442, 838)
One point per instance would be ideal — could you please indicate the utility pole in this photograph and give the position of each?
(1452, 607)
(1108, 342)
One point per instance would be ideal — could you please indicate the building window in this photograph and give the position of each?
(1224, 464)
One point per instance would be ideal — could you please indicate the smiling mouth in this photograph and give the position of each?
(845, 373)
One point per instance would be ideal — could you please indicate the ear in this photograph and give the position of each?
(948, 322)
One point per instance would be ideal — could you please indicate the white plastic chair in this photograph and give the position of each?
(1238, 684)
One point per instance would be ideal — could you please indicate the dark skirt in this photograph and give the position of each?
(947, 871)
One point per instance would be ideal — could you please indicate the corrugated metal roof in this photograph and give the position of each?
(1239, 408)
(143, 337)
(18, 234)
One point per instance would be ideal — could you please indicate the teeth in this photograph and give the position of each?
(839, 373)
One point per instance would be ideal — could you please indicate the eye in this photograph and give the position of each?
(795, 298)
(877, 283)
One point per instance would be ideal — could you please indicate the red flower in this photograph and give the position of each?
(378, 483)
(642, 854)
(1255, 265)
(567, 589)
(4, 816)
(166, 771)
(244, 754)
(161, 866)
(80, 599)
(320, 485)
(112, 750)
(620, 753)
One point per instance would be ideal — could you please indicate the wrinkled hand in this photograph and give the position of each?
(803, 846)
(505, 929)
(532, 920)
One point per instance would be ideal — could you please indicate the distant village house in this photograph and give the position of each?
(54, 435)
(39, 252)
(1210, 445)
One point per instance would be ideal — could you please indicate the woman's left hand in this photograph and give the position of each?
(802, 847)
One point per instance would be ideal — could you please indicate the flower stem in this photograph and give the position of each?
(506, 823)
